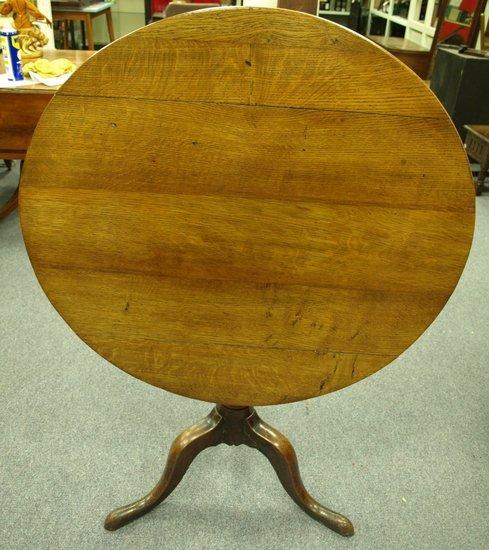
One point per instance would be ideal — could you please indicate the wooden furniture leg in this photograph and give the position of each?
(480, 179)
(89, 26)
(232, 426)
(477, 147)
(13, 201)
(64, 25)
(280, 452)
(84, 38)
(8, 164)
(110, 26)
(10, 205)
(72, 35)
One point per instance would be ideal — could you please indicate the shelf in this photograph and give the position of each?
(331, 12)
(421, 27)
(416, 31)
(379, 13)
(405, 22)
(399, 20)
(456, 23)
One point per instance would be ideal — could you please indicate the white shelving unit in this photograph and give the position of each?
(418, 31)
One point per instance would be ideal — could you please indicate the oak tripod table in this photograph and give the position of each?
(267, 209)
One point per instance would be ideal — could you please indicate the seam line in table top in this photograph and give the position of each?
(314, 351)
(298, 200)
(158, 275)
(317, 352)
(441, 116)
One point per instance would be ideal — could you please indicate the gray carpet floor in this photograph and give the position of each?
(404, 453)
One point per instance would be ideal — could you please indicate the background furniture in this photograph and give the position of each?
(233, 261)
(458, 22)
(405, 29)
(461, 83)
(477, 147)
(413, 20)
(20, 110)
(85, 15)
(357, 17)
(484, 42)
(414, 56)
(305, 6)
(175, 8)
(148, 10)
(335, 10)
(419, 24)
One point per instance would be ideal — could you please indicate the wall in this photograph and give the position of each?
(44, 6)
(128, 15)
(260, 3)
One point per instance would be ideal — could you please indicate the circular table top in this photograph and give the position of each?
(247, 206)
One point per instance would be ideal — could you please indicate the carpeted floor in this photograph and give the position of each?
(404, 453)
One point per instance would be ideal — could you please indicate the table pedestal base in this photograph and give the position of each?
(232, 426)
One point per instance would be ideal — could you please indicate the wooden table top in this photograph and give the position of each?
(78, 57)
(247, 206)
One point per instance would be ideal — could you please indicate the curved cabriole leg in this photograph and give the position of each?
(183, 451)
(279, 451)
(10, 205)
(232, 426)
(13, 202)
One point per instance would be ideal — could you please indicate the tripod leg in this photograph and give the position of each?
(10, 205)
(279, 451)
(184, 449)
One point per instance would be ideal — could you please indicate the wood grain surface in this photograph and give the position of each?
(247, 206)
(19, 115)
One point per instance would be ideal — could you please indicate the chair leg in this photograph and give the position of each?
(83, 36)
(89, 26)
(110, 26)
(479, 187)
(64, 25)
(72, 35)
